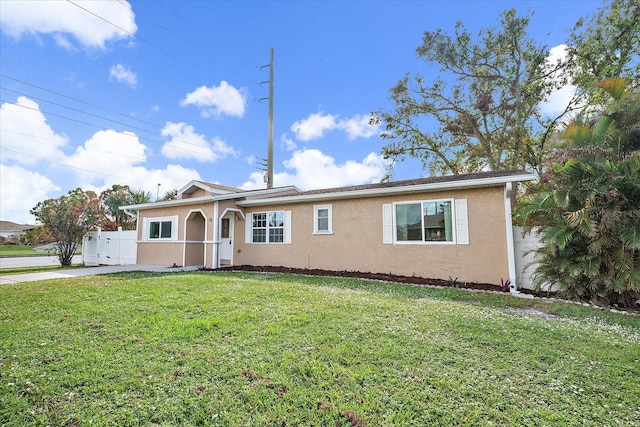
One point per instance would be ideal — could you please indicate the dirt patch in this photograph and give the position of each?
(386, 277)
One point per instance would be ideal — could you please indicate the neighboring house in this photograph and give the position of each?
(10, 229)
(443, 227)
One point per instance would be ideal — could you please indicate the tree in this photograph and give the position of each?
(606, 45)
(112, 199)
(115, 197)
(139, 196)
(170, 195)
(484, 105)
(38, 236)
(587, 205)
(68, 218)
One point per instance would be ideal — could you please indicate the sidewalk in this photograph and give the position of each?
(87, 271)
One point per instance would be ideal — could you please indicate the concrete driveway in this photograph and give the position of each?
(33, 261)
(87, 271)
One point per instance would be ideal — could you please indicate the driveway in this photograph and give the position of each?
(87, 271)
(34, 261)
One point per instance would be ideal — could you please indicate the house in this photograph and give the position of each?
(12, 231)
(440, 227)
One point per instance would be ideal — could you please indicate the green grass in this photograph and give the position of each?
(17, 250)
(240, 349)
(26, 270)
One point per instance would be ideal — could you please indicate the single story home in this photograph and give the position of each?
(455, 226)
(10, 230)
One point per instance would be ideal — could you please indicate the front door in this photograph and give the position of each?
(226, 241)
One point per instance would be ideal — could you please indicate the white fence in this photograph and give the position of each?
(522, 246)
(525, 260)
(109, 247)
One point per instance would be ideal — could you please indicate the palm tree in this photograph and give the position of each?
(170, 195)
(115, 197)
(587, 206)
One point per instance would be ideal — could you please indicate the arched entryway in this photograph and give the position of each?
(195, 234)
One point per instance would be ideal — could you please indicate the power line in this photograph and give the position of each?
(104, 128)
(59, 163)
(102, 151)
(126, 31)
(80, 100)
(159, 128)
(79, 111)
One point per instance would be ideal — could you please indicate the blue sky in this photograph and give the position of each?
(96, 93)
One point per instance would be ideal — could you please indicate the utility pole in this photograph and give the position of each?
(269, 159)
(270, 138)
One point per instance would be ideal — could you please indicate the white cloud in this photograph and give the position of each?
(311, 169)
(173, 176)
(58, 17)
(108, 157)
(556, 102)
(25, 132)
(63, 41)
(117, 151)
(123, 75)
(185, 143)
(315, 126)
(287, 143)
(217, 101)
(359, 127)
(21, 190)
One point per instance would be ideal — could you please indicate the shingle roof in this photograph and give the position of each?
(222, 187)
(418, 181)
(12, 226)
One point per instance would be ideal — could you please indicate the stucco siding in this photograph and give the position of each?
(160, 253)
(356, 242)
(194, 224)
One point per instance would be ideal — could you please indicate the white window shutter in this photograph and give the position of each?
(145, 229)
(387, 223)
(174, 228)
(462, 222)
(248, 221)
(287, 226)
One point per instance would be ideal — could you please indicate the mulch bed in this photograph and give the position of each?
(386, 277)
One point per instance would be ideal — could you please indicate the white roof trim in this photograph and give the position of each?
(203, 186)
(166, 203)
(206, 199)
(253, 193)
(417, 188)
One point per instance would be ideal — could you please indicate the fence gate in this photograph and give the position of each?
(109, 247)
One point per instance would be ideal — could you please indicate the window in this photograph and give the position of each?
(267, 227)
(322, 219)
(426, 221)
(161, 228)
(224, 231)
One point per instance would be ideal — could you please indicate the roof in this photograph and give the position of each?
(222, 187)
(420, 181)
(438, 183)
(259, 193)
(210, 187)
(12, 226)
(263, 197)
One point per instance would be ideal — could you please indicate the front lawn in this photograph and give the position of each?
(243, 349)
(18, 250)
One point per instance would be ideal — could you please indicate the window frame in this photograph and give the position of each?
(173, 220)
(452, 209)
(268, 228)
(316, 218)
